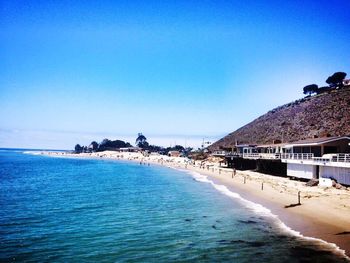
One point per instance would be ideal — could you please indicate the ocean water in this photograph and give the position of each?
(85, 210)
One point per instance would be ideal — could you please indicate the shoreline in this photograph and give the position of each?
(323, 214)
(298, 218)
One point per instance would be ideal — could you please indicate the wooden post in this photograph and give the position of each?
(244, 179)
(262, 186)
(299, 198)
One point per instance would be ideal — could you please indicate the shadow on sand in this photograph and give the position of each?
(292, 205)
(344, 233)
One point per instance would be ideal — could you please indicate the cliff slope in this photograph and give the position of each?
(320, 115)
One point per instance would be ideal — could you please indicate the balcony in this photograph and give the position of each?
(335, 160)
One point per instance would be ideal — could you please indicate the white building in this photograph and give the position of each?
(319, 158)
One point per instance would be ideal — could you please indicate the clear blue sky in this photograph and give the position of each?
(178, 71)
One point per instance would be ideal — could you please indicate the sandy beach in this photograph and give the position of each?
(324, 213)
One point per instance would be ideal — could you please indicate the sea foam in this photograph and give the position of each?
(32, 152)
(263, 211)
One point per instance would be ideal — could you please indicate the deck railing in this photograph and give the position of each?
(251, 155)
(337, 158)
(234, 155)
(261, 156)
(297, 156)
(220, 153)
(270, 155)
(342, 157)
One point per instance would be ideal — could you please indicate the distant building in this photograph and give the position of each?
(327, 157)
(130, 149)
(346, 82)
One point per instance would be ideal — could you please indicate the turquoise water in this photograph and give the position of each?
(79, 210)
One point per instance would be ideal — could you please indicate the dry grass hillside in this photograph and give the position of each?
(320, 115)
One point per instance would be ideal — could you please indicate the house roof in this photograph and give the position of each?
(316, 141)
(271, 145)
(245, 145)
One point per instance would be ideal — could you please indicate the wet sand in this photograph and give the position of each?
(323, 213)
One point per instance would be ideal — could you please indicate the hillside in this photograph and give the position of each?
(320, 115)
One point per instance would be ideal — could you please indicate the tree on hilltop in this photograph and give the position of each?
(336, 80)
(310, 89)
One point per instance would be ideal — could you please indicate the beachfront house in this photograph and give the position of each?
(265, 151)
(317, 158)
(271, 148)
(320, 146)
(241, 149)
